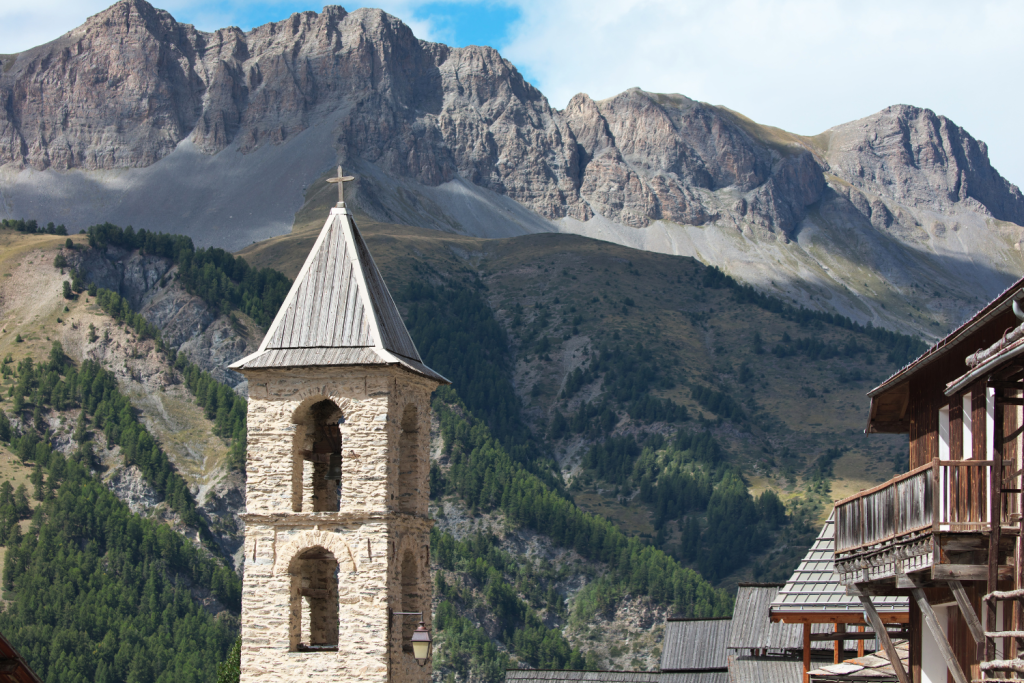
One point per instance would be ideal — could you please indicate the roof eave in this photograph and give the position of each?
(984, 368)
(946, 344)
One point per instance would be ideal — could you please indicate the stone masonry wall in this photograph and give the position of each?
(368, 537)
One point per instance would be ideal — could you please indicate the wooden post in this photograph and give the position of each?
(807, 651)
(928, 614)
(967, 609)
(860, 643)
(883, 638)
(837, 654)
(915, 627)
(995, 512)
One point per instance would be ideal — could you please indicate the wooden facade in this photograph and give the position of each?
(949, 531)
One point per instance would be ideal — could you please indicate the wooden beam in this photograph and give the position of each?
(850, 635)
(883, 637)
(902, 580)
(967, 609)
(995, 506)
(967, 572)
(837, 650)
(853, 618)
(860, 643)
(890, 427)
(928, 614)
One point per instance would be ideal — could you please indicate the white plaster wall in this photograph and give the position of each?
(933, 667)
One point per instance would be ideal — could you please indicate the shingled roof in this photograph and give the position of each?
(751, 627)
(695, 644)
(338, 311)
(814, 587)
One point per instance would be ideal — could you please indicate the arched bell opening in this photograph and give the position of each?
(314, 601)
(316, 472)
(412, 599)
(408, 460)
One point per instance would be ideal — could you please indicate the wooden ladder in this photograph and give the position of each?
(1002, 482)
(993, 669)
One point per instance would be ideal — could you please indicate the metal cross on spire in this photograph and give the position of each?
(341, 180)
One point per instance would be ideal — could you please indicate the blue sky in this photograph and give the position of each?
(454, 23)
(801, 65)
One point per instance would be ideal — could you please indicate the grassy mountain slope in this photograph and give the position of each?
(94, 590)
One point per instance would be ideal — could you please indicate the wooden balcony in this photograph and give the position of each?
(936, 517)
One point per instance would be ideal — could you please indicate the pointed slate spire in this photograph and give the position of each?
(338, 311)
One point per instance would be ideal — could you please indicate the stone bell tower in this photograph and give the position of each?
(337, 535)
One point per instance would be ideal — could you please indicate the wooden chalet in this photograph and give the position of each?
(816, 600)
(948, 532)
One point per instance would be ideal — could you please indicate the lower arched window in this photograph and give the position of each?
(314, 601)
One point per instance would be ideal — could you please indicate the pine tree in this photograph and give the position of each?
(81, 427)
(230, 670)
(37, 482)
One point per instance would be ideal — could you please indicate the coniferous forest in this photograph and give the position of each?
(96, 592)
(99, 593)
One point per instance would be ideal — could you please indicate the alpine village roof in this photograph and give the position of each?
(814, 589)
(338, 311)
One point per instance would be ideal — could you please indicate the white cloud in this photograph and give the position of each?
(802, 65)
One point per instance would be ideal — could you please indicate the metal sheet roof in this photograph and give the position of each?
(615, 676)
(338, 311)
(692, 644)
(765, 670)
(815, 588)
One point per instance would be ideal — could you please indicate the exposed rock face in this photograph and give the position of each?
(129, 485)
(663, 157)
(134, 83)
(444, 137)
(124, 89)
(919, 159)
(185, 320)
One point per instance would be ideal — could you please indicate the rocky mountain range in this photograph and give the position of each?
(898, 218)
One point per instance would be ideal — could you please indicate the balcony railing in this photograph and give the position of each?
(942, 496)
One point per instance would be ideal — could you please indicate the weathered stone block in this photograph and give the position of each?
(327, 569)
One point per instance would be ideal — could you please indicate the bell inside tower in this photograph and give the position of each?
(321, 459)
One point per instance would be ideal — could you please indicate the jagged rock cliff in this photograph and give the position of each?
(914, 157)
(124, 89)
(218, 136)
